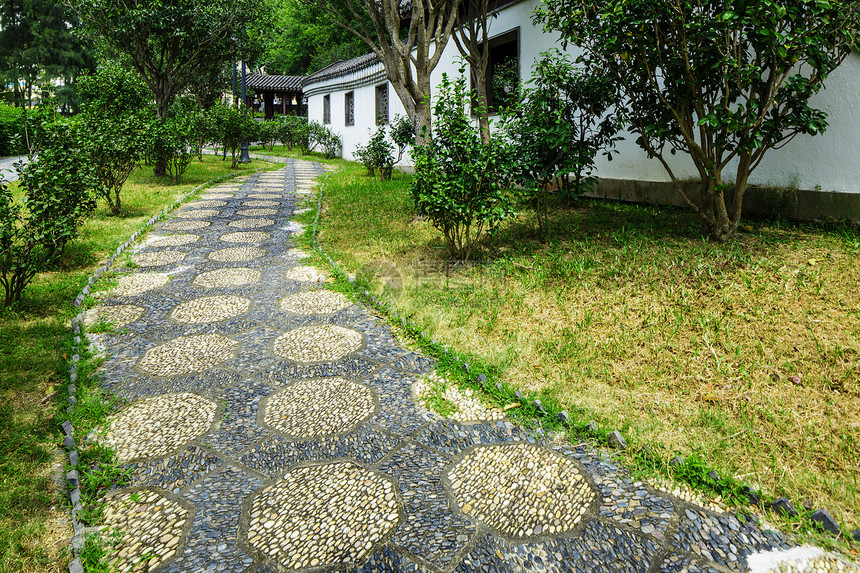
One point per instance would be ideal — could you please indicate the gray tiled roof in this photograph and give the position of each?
(272, 83)
(342, 68)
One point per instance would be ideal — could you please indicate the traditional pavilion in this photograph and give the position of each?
(278, 93)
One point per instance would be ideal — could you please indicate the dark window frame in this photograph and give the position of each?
(383, 116)
(349, 108)
(327, 109)
(496, 44)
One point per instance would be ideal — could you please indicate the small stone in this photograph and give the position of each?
(823, 518)
(564, 418)
(539, 407)
(783, 506)
(856, 534)
(752, 496)
(676, 461)
(518, 395)
(466, 367)
(616, 440)
(481, 379)
(499, 386)
(714, 476)
(591, 427)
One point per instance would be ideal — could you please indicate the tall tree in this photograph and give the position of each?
(408, 37)
(722, 81)
(173, 42)
(37, 45)
(304, 39)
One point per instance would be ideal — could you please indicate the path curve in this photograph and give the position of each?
(272, 426)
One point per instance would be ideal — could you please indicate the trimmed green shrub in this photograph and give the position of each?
(377, 155)
(60, 185)
(116, 113)
(12, 138)
(268, 133)
(230, 127)
(556, 129)
(325, 139)
(457, 183)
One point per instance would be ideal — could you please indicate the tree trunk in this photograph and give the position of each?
(482, 102)
(161, 106)
(421, 120)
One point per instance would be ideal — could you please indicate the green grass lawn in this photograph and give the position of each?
(35, 340)
(745, 353)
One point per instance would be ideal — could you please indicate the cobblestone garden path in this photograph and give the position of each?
(271, 425)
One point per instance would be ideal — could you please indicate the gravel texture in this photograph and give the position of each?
(150, 529)
(172, 240)
(159, 425)
(198, 213)
(188, 354)
(313, 408)
(521, 490)
(237, 254)
(184, 225)
(250, 223)
(306, 275)
(137, 284)
(315, 302)
(246, 237)
(324, 343)
(210, 309)
(323, 516)
(117, 315)
(158, 258)
(225, 278)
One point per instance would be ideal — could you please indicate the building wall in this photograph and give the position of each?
(827, 162)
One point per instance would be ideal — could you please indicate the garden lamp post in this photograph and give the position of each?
(244, 157)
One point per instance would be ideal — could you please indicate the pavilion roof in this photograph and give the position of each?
(261, 82)
(342, 67)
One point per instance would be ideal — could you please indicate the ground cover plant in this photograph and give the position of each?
(35, 339)
(743, 353)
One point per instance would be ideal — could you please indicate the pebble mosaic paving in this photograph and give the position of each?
(172, 241)
(246, 237)
(273, 425)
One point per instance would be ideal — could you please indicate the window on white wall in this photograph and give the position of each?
(327, 109)
(503, 69)
(382, 104)
(349, 108)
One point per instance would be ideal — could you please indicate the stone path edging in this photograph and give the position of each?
(73, 476)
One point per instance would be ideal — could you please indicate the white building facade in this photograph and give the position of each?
(817, 176)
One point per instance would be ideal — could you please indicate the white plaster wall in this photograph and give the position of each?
(829, 161)
(365, 108)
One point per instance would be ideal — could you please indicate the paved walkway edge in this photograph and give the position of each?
(73, 476)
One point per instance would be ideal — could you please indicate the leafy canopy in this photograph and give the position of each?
(172, 42)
